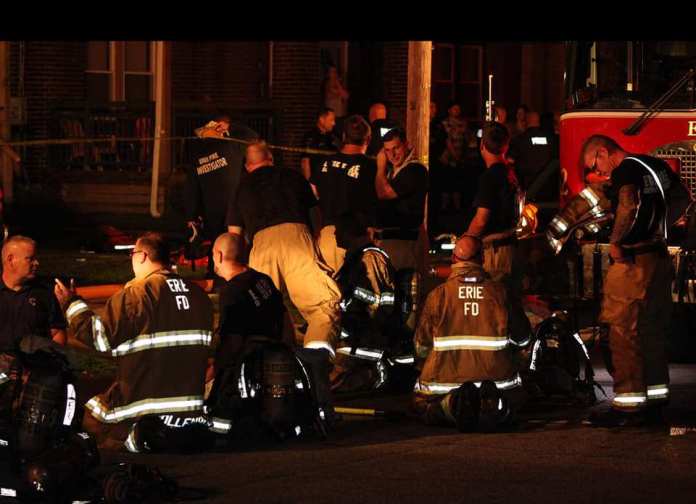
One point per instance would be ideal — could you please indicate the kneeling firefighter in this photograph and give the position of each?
(375, 343)
(268, 393)
(43, 453)
(465, 344)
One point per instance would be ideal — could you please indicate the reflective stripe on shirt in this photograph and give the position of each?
(101, 342)
(76, 307)
(491, 343)
(143, 407)
(164, 339)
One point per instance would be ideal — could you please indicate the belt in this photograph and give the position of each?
(396, 234)
(645, 249)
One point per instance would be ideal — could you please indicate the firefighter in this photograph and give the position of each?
(466, 335)
(213, 178)
(273, 205)
(159, 329)
(637, 298)
(370, 320)
(497, 208)
(344, 182)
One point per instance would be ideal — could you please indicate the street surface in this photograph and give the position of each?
(371, 460)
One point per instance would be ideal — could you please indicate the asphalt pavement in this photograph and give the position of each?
(552, 457)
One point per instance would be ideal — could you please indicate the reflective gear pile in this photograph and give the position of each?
(374, 338)
(269, 392)
(560, 361)
(464, 336)
(159, 329)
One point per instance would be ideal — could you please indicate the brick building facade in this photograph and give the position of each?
(279, 79)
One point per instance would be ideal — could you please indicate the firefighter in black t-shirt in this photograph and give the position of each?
(637, 297)
(497, 211)
(344, 183)
(250, 305)
(214, 176)
(321, 137)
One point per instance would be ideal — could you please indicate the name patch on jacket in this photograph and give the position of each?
(470, 292)
(177, 285)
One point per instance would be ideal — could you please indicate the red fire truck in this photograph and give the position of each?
(641, 94)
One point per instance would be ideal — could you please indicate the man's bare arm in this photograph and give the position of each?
(305, 167)
(625, 213)
(382, 186)
(478, 223)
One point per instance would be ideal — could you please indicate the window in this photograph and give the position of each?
(98, 73)
(137, 79)
(120, 71)
(456, 74)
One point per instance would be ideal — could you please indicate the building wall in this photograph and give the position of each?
(296, 94)
(231, 73)
(395, 80)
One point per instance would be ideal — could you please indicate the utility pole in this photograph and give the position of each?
(418, 109)
(161, 159)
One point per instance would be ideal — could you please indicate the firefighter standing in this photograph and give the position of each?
(344, 182)
(159, 328)
(637, 298)
(497, 208)
(465, 334)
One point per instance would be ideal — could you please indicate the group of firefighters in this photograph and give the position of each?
(350, 287)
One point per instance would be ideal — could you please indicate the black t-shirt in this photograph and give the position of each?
(346, 184)
(269, 196)
(315, 139)
(651, 210)
(250, 305)
(497, 190)
(33, 310)
(438, 140)
(532, 151)
(408, 209)
(213, 180)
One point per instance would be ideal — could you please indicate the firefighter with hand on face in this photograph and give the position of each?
(159, 329)
(637, 297)
(464, 345)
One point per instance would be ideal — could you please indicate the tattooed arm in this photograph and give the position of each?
(625, 215)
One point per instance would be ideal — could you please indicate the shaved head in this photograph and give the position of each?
(377, 111)
(258, 154)
(230, 245)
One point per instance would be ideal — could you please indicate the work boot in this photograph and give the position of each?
(318, 365)
(614, 418)
(466, 406)
(494, 410)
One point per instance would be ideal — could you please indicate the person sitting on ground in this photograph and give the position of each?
(250, 305)
(159, 329)
(463, 346)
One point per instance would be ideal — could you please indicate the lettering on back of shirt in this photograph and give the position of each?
(177, 286)
(471, 292)
(210, 163)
